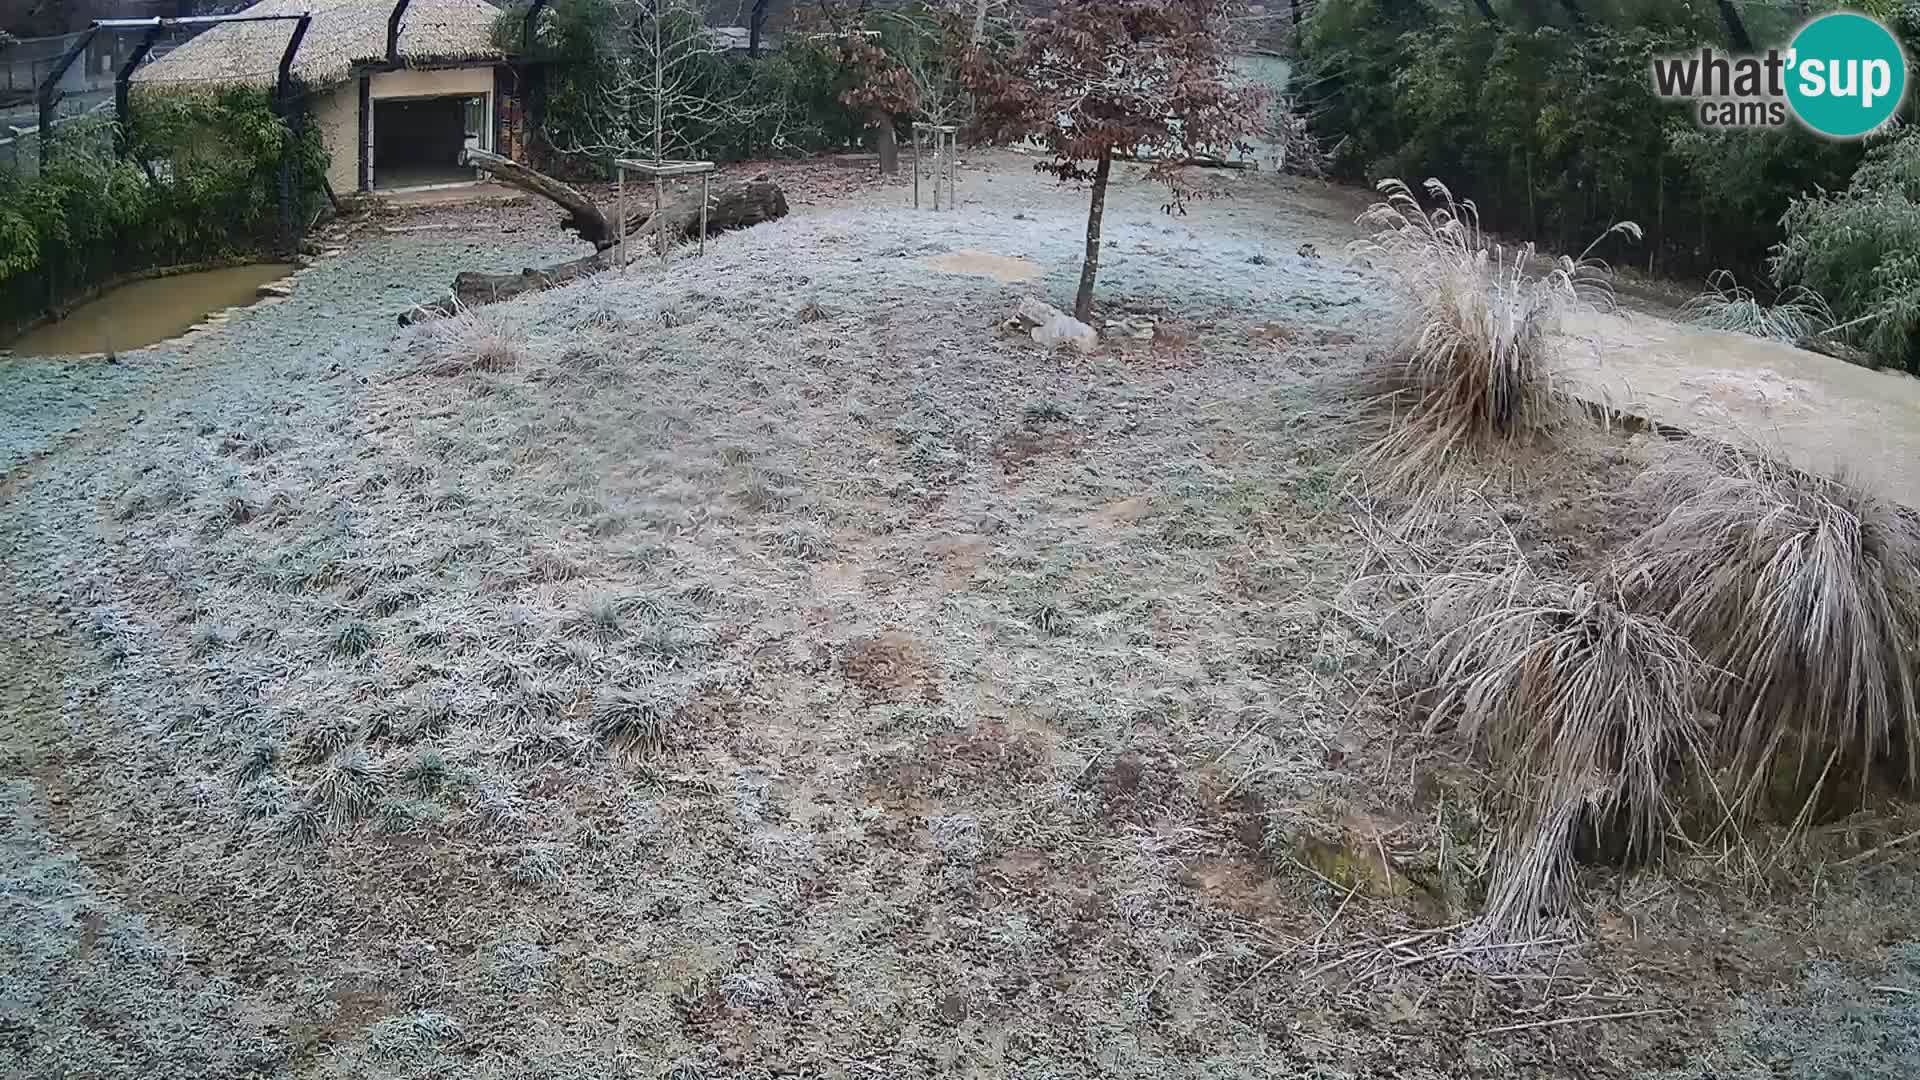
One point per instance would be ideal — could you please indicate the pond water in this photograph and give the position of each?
(145, 312)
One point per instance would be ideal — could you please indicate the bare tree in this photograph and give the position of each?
(929, 47)
(657, 92)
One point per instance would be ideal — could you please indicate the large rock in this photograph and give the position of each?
(1052, 328)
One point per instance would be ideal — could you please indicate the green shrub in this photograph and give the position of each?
(199, 179)
(1860, 248)
(1555, 127)
(215, 159)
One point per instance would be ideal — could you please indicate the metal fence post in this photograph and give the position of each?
(47, 85)
(284, 108)
(123, 89)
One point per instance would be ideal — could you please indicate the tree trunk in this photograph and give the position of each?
(583, 216)
(886, 141)
(472, 289)
(1486, 11)
(1083, 301)
(756, 22)
(1736, 26)
(1575, 15)
(1296, 25)
(980, 18)
(732, 206)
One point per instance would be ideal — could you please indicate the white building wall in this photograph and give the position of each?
(399, 84)
(337, 112)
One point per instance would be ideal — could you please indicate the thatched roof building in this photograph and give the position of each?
(388, 121)
(345, 34)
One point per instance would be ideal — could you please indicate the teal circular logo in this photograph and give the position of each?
(1845, 75)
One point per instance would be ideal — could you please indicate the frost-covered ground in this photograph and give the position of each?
(342, 307)
(775, 667)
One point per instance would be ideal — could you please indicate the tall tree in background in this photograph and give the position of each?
(641, 79)
(1101, 79)
(1736, 26)
(879, 87)
(757, 25)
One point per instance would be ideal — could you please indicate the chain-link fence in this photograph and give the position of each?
(91, 130)
(26, 64)
(85, 89)
(198, 170)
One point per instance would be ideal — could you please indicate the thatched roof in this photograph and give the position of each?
(344, 33)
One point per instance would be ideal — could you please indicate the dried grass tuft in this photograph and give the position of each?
(638, 719)
(1585, 709)
(476, 339)
(1471, 365)
(1727, 305)
(1803, 595)
(346, 789)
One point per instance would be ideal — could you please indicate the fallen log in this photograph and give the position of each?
(473, 289)
(731, 206)
(1202, 162)
(582, 217)
(1839, 350)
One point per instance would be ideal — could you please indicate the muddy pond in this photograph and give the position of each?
(143, 313)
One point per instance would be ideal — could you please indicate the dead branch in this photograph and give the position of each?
(583, 216)
(732, 206)
(1198, 162)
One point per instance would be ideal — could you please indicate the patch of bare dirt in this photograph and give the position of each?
(891, 667)
(1018, 451)
(1007, 269)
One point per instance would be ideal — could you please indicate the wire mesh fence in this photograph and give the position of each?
(195, 172)
(90, 131)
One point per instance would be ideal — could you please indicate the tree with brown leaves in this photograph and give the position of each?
(879, 87)
(1100, 79)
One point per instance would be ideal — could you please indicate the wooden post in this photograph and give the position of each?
(659, 229)
(620, 216)
(916, 166)
(660, 171)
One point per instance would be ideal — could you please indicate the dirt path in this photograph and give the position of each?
(1814, 411)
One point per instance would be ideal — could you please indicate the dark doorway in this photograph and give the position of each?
(417, 141)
